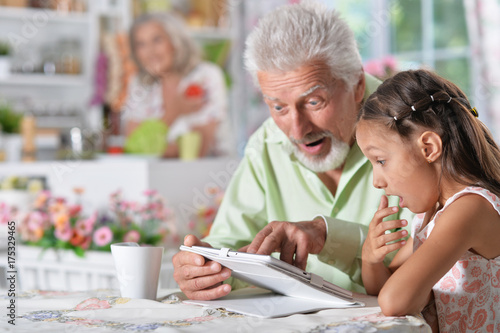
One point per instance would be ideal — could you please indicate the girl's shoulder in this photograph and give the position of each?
(472, 215)
(477, 196)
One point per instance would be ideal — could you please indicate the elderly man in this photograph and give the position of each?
(303, 188)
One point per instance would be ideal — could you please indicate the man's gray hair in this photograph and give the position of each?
(303, 34)
(187, 53)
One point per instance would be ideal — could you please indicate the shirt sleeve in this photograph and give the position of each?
(344, 242)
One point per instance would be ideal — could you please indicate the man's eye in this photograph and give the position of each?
(381, 162)
(278, 108)
(314, 103)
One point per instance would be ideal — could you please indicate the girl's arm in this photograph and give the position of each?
(465, 224)
(378, 244)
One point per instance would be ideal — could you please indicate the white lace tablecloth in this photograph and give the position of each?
(105, 311)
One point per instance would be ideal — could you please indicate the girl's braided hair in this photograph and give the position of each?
(420, 98)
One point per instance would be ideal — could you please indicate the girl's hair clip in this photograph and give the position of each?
(449, 100)
(413, 108)
(432, 97)
(395, 118)
(474, 112)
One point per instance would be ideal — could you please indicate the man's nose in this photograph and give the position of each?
(300, 125)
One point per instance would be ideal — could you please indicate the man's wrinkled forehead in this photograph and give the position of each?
(304, 94)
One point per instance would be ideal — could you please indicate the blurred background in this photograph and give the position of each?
(67, 62)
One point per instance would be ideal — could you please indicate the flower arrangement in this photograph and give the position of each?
(56, 224)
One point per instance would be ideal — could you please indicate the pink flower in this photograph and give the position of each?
(64, 233)
(103, 236)
(42, 199)
(150, 193)
(86, 226)
(7, 213)
(132, 236)
(391, 63)
(375, 67)
(92, 304)
(74, 210)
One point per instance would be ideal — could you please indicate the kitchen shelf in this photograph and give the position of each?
(17, 13)
(43, 80)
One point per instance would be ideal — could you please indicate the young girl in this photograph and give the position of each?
(428, 147)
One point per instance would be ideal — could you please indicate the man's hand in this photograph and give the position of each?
(290, 238)
(378, 243)
(197, 277)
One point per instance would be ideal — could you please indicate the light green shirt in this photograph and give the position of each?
(271, 185)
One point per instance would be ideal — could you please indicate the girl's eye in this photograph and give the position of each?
(381, 162)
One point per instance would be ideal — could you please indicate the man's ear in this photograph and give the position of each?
(430, 145)
(359, 89)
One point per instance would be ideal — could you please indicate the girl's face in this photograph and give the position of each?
(153, 48)
(399, 167)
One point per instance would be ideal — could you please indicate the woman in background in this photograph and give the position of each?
(175, 86)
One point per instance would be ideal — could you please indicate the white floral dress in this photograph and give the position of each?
(467, 297)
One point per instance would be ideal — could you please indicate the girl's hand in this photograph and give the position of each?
(378, 243)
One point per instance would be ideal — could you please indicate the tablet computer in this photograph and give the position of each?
(270, 273)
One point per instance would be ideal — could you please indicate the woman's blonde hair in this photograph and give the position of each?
(187, 53)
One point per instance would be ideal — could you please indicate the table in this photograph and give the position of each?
(105, 311)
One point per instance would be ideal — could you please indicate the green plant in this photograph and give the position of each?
(10, 121)
(4, 49)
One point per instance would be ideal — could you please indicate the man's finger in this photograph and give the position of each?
(211, 293)
(287, 252)
(261, 236)
(271, 243)
(301, 255)
(187, 258)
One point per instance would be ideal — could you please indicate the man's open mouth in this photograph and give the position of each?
(315, 143)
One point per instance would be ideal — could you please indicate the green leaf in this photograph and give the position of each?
(79, 251)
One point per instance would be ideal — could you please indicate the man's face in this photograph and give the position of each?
(316, 112)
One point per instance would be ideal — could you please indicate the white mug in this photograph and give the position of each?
(137, 269)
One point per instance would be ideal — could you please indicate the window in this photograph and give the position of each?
(419, 33)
